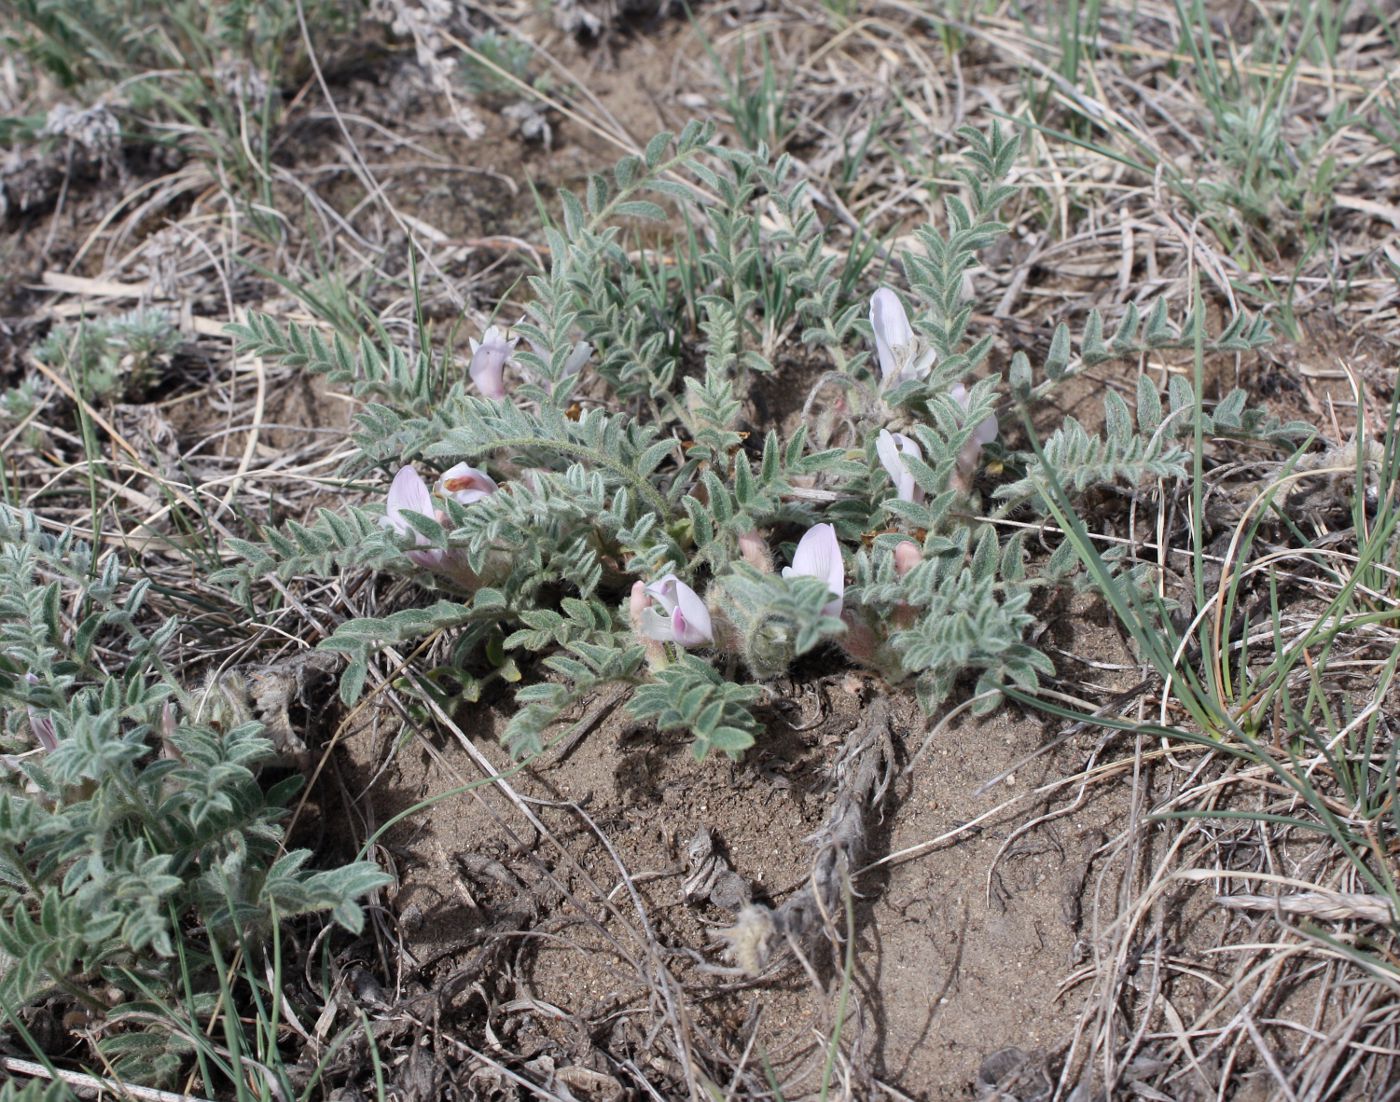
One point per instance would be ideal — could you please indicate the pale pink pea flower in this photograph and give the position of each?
(466, 485)
(891, 447)
(902, 355)
(818, 555)
(489, 358)
(41, 725)
(409, 493)
(683, 619)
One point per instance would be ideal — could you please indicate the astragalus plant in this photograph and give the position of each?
(597, 487)
(138, 844)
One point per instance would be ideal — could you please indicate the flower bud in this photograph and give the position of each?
(906, 556)
(753, 549)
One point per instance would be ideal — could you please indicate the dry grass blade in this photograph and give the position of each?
(1325, 906)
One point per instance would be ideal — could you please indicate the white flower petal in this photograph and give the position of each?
(891, 448)
(691, 619)
(888, 451)
(920, 368)
(465, 484)
(408, 492)
(683, 619)
(815, 551)
(663, 592)
(818, 555)
(656, 626)
(893, 336)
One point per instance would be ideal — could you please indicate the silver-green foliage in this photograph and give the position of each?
(93, 43)
(112, 359)
(660, 483)
(1129, 454)
(962, 609)
(35, 1090)
(690, 695)
(651, 469)
(137, 821)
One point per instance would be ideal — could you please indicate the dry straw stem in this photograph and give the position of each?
(1327, 906)
(91, 1083)
(1138, 923)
